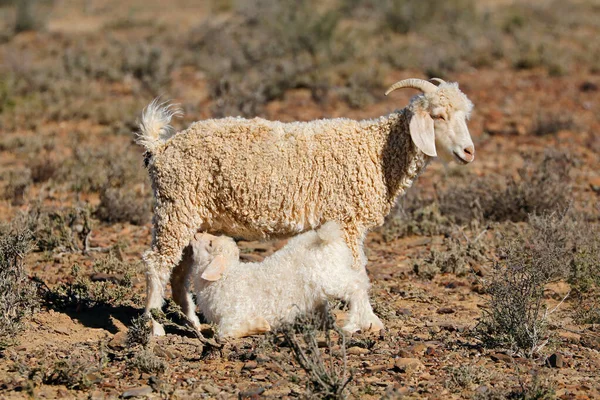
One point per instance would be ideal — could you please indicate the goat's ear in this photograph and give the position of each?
(422, 132)
(215, 269)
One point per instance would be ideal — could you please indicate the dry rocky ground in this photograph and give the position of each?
(72, 167)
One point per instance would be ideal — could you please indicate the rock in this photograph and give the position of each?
(595, 184)
(253, 392)
(556, 360)
(357, 351)
(479, 289)
(250, 365)
(418, 349)
(211, 389)
(163, 353)
(446, 310)
(408, 365)
(137, 392)
(97, 395)
(380, 367)
(404, 311)
(119, 341)
(431, 352)
(497, 357)
(570, 337)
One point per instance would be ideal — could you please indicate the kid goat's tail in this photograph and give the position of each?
(155, 126)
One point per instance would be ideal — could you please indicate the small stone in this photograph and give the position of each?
(253, 392)
(404, 311)
(446, 310)
(479, 289)
(97, 395)
(379, 367)
(556, 360)
(119, 341)
(431, 352)
(595, 184)
(497, 357)
(408, 364)
(570, 337)
(163, 353)
(418, 349)
(250, 365)
(137, 392)
(357, 351)
(211, 389)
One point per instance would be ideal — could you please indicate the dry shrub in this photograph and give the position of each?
(459, 256)
(542, 186)
(268, 47)
(404, 16)
(551, 123)
(72, 372)
(327, 371)
(414, 215)
(140, 331)
(111, 286)
(123, 205)
(60, 229)
(516, 314)
(18, 296)
(17, 186)
(92, 169)
(146, 361)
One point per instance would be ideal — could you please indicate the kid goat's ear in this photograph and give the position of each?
(215, 269)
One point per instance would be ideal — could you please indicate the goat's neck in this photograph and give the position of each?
(402, 160)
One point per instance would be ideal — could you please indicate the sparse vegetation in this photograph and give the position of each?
(517, 314)
(459, 255)
(493, 236)
(327, 371)
(17, 293)
(109, 285)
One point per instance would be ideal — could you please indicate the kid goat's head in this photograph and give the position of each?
(439, 119)
(213, 255)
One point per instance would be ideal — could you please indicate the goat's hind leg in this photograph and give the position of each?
(173, 231)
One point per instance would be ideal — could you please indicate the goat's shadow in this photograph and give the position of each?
(102, 315)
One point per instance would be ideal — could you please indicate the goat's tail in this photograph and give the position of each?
(155, 126)
(330, 232)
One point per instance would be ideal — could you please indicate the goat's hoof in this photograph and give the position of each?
(374, 325)
(350, 328)
(157, 329)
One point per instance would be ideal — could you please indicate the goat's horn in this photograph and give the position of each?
(438, 80)
(424, 86)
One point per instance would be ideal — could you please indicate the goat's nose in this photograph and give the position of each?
(469, 153)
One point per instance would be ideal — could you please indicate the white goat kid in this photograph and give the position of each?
(249, 298)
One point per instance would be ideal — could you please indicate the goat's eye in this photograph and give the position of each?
(439, 117)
